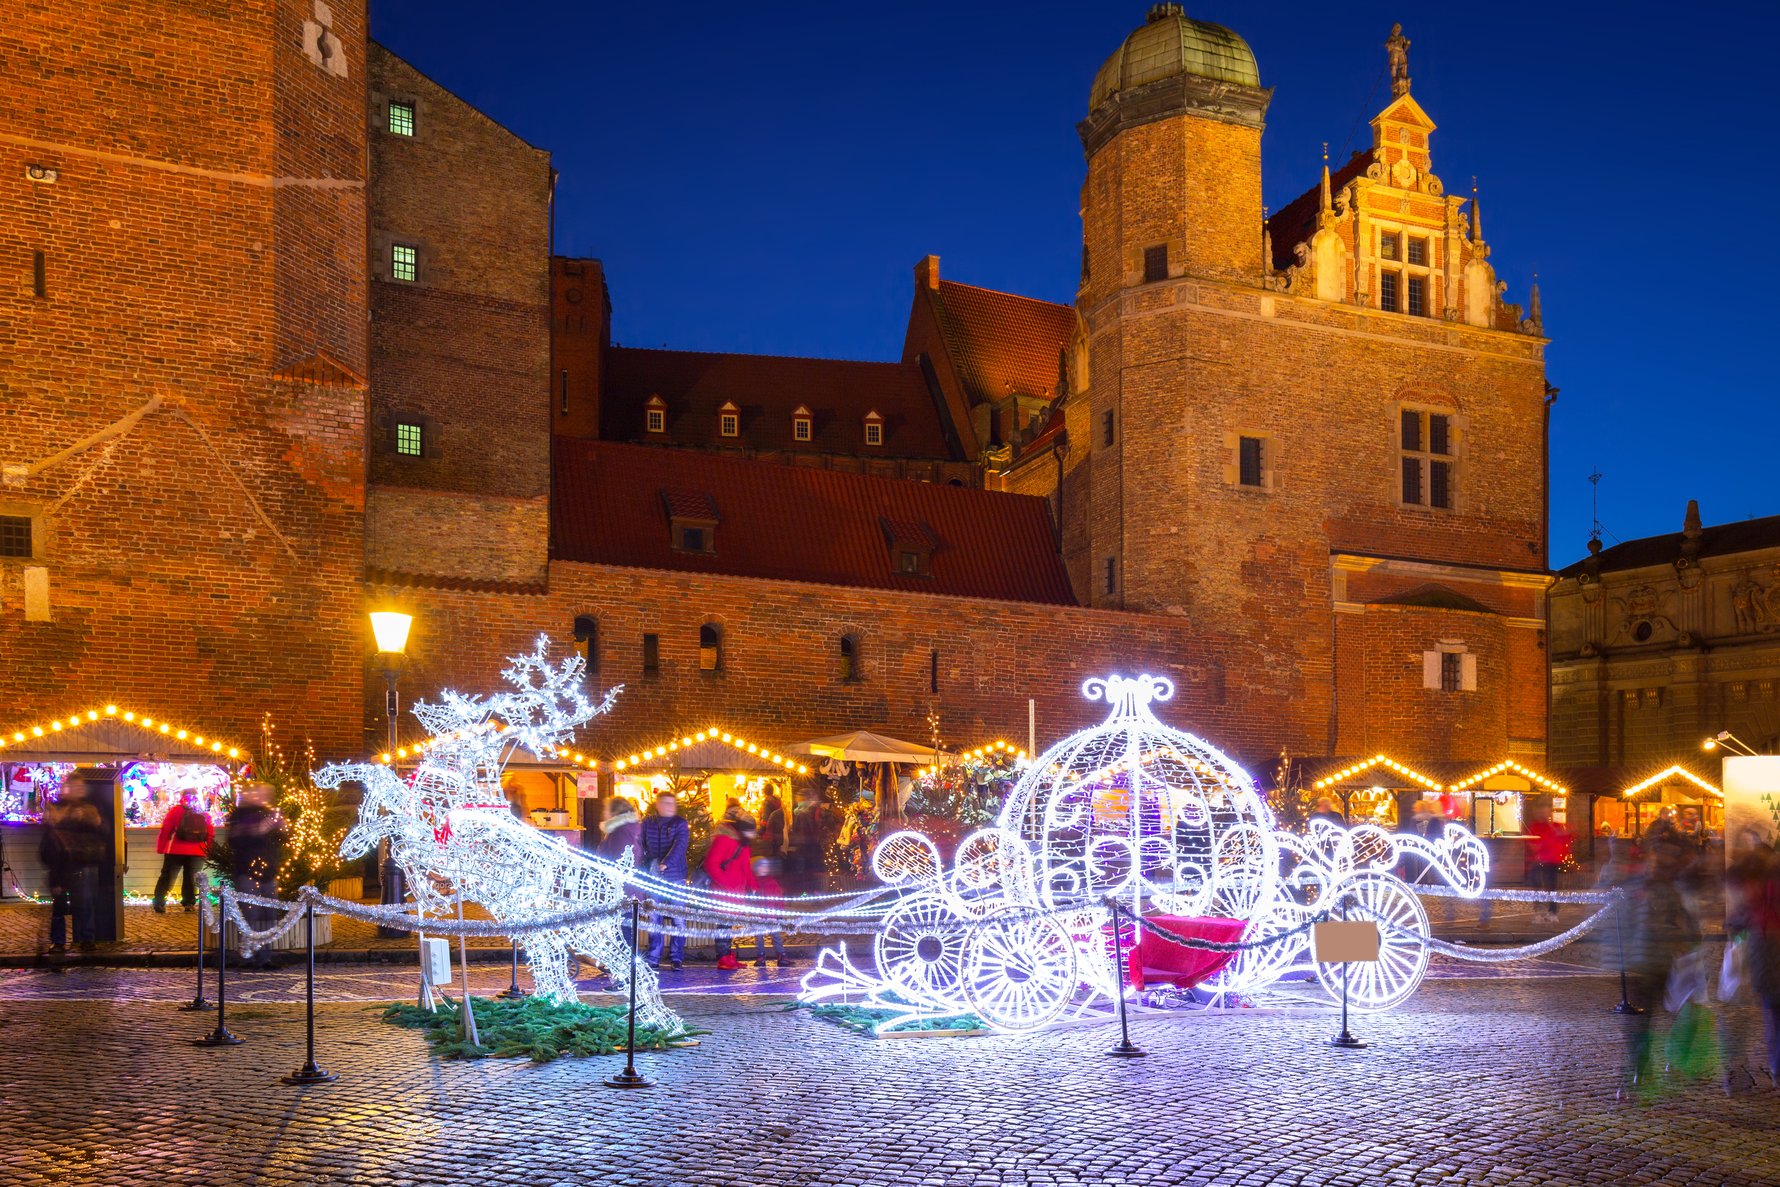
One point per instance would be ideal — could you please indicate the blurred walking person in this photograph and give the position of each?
(257, 835)
(666, 836)
(729, 865)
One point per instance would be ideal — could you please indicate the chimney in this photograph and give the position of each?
(927, 273)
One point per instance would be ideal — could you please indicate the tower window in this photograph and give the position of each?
(1106, 427)
(849, 658)
(1451, 669)
(1249, 456)
(15, 535)
(1155, 263)
(1387, 291)
(410, 439)
(1427, 463)
(587, 632)
(1418, 297)
(651, 655)
(401, 118)
(39, 282)
(933, 671)
(565, 393)
(710, 647)
(1112, 575)
(404, 262)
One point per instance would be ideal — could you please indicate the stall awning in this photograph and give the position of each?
(712, 750)
(111, 734)
(865, 746)
(1671, 774)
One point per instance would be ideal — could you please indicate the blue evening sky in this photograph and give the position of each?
(763, 177)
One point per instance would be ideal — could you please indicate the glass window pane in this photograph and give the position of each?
(1387, 291)
(1412, 429)
(1418, 251)
(1249, 461)
(408, 439)
(1418, 297)
(1439, 484)
(15, 535)
(404, 261)
(401, 119)
(1387, 247)
(1437, 433)
(1412, 480)
(1155, 263)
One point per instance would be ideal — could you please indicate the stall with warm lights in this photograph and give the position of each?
(141, 762)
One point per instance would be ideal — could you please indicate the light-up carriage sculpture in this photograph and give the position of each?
(1133, 811)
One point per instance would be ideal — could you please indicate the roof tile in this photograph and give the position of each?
(1003, 344)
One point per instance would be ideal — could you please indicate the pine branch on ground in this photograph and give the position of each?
(531, 1027)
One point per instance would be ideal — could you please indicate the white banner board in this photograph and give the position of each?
(1751, 802)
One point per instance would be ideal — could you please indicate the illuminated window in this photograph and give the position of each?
(401, 118)
(15, 535)
(655, 415)
(801, 427)
(409, 439)
(1388, 247)
(1155, 263)
(1425, 439)
(729, 420)
(874, 428)
(849, 658)
(710, 647)
(404, 262)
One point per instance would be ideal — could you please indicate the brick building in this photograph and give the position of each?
(306, 388)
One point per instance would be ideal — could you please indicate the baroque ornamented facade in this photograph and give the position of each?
(295, 346)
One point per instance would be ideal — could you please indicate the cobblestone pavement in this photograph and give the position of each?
(1505, 1080)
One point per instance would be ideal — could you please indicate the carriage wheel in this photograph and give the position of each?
(920, 950)
(1402, 943)
(1258, 967)
(1019, 973)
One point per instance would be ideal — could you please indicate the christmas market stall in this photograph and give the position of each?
(544, 789)
(134, 767)
(1695, 801)
(706, 770)
(960, 793)
(1377, 790)
(868, 786)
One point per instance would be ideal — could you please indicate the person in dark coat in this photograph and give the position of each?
(772, 837)
(666, 837)
(619, 831)
(52, 851)
(183, 840)
(1659, 929)
(257, 834)
(75, 854)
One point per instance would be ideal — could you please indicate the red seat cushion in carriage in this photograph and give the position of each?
(1157, 959)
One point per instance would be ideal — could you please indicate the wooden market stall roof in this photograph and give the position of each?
(1440, 775)
(712, 749)
(1673, 773)
(113, 734)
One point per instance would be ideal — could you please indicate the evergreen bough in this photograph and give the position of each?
(531, 1027)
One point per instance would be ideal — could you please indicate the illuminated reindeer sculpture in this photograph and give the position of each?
(450, 830)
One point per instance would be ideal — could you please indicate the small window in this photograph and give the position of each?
(1449, 668)
(692, 540)
(657, 420)
(401, 118)
(1418, 252)
(1106, 427)
(874, 432)
(404, 262)
(39, 281)
(587, 633)
(849, 658)
(651, 655)
(410, 439)
(15, 535)
(1451, 671)
(1412, 430)
(1155, 263)
(1387, 291)
(1388, 247)
(1412, 480)
(732, 425)
(933, 672)
(710, 647)
(909, 563)
(1250, 453)
(1112, 575)
(565, 393)
(1437, 423)
(1418, 297)
(1439, 484)
(800, 428)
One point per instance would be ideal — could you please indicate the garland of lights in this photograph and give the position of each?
(112, 712)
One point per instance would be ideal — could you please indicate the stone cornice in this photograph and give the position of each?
(1184, 94)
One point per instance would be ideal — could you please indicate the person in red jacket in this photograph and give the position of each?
(1548, 848)
(728, 864)
(184, 839)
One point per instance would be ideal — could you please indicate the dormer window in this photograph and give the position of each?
(655, 415)
(911, 547)
(802, 427)
(729, 419)
(874, 428)
(692, 521)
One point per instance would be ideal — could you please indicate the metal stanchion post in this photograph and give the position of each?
(198, 1002)
(1124, 1048)
(1625, 1005)
(309, 1073)
(1345, 1039)
(221, 1036)
(630, 1077)
(512, 992)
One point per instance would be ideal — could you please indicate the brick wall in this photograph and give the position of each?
(203, 560)
(465, 349)
(581, 329)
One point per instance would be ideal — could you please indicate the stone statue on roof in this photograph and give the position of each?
(1397, 46)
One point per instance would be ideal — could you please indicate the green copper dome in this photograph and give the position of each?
(1169, 45)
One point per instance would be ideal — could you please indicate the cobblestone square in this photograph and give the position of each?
(1496, 1080)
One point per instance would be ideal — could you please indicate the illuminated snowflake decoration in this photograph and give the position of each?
(1018, 930)
(452, 833)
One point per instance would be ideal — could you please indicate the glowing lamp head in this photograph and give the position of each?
(391, 630)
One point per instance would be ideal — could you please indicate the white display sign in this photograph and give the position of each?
(1751, 802)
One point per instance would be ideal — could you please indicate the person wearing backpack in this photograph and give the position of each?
(729, 864)
(184, 839)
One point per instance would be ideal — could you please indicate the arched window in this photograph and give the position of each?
(710, 647)
(849, 658)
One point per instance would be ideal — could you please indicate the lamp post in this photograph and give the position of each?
(390, 628)
(1728, 740)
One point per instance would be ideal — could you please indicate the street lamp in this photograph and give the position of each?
(390, 628)
(1725, 736)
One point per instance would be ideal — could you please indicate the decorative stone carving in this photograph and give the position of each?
(1641, 615)
(1755, 608)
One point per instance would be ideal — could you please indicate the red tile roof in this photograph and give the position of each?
(1295, 222)
(795, 523)
(768, 389)
(1003, 344)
